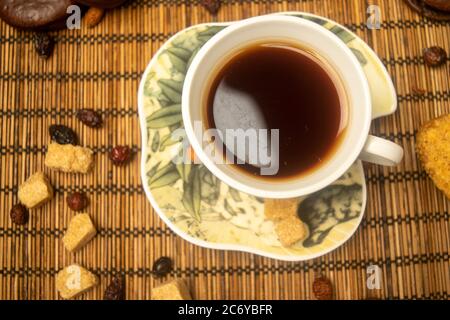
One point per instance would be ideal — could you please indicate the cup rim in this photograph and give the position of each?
(214, 168)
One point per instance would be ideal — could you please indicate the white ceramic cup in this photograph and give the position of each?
(357, 143)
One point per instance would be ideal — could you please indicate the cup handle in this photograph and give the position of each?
(381, 151)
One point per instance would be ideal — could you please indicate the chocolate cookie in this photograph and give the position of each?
(443, 5)
(428, 11)
(107, 4)
(35, 14)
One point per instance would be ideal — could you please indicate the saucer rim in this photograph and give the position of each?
(225, 246)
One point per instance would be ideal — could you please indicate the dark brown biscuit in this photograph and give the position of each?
(443, 5)
(35, 14)
(107, 4)
(428, 11)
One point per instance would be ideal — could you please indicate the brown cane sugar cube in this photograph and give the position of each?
(279, 209)
(74, 280)
(172, 290)
(69, 158)
(35, 191)
(80, 231)
(290, 231)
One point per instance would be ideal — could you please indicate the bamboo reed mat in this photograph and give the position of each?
(405, 230)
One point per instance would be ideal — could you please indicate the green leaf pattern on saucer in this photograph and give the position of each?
(205, 210)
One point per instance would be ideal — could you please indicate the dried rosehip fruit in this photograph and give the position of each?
(162, 267)
(434, 56)
(212, 6)
(120, 155)
(115, 290)
(63, 134)
(322, 289)
(77, 201)
(44, 44)
(90, 118)
(19, 214)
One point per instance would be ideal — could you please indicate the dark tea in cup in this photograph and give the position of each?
(278, 85)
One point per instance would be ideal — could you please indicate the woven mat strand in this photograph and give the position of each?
(406, 228)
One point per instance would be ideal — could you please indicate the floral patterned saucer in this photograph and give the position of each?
(203, 210)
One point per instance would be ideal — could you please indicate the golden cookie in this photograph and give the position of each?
(433, 147)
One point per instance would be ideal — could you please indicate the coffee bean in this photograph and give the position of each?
(418, 91)
(94, 16)
(77, 201)
(19, 214)
(63, 134)
(434, 56)
(162, 267)
(120, 155)
(44, 44)
(90, 118)
(115, 290)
